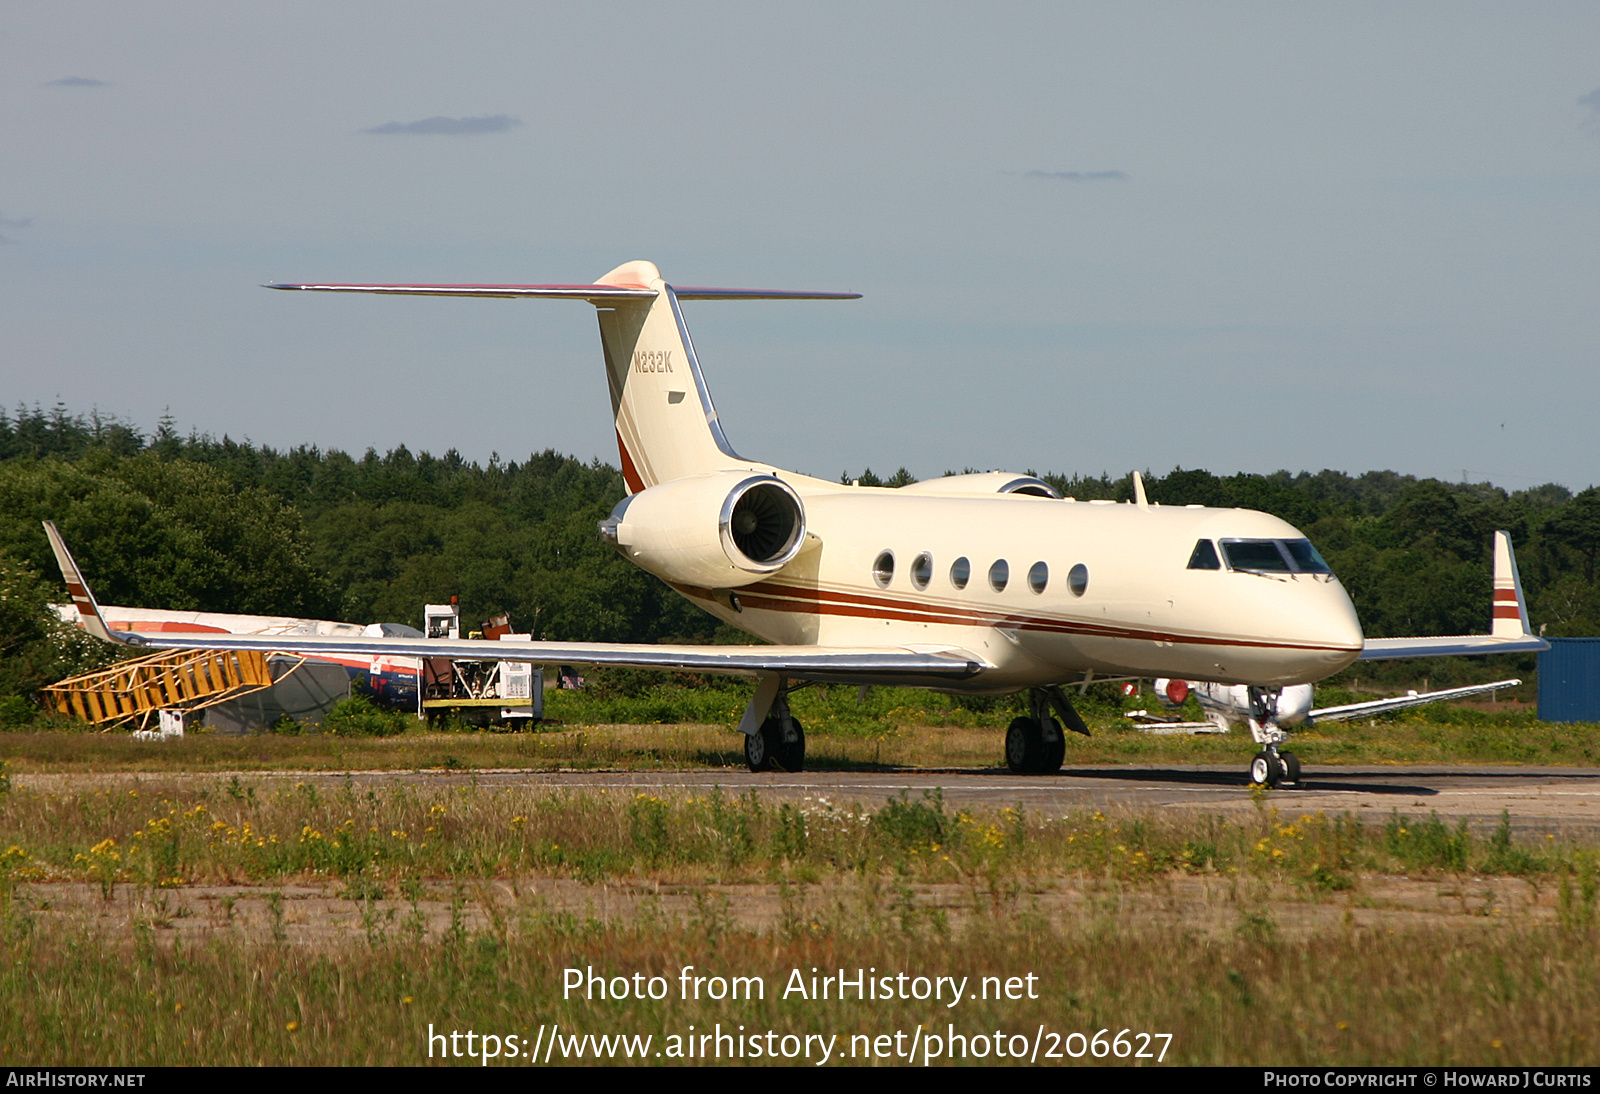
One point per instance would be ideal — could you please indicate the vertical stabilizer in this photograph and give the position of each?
(1510, 618)
(89, 617)
(667, 426)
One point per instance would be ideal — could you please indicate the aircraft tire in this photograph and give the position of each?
(1025, 747)
(758, 749)
(1291, 767)
(1266, 769)
(791, 755)
(1054, 751)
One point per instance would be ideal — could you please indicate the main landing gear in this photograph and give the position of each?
(1035, 744)
(1270, 768)
(780, 743)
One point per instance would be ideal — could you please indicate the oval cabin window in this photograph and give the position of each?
(883, 569)
(999, 574)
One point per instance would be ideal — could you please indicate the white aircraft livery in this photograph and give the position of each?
(988, 583)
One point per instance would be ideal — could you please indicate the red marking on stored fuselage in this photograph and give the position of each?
(167, 626)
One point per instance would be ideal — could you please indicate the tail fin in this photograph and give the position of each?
(1510, 616)
(89, 617)
(667, 426)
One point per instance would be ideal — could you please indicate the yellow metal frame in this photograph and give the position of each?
(186, 679)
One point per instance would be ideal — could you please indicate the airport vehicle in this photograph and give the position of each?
(984, 583)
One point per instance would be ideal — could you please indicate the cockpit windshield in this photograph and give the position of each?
(1305, 557)
(1274, 556)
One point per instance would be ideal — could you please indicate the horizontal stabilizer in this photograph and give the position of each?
(572, 292)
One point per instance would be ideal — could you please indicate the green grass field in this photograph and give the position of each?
(1266, 939)
(232, 919)
(656, 726)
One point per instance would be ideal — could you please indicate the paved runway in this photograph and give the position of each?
(1543, 798)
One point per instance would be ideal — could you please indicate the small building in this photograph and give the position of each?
(1569, 680)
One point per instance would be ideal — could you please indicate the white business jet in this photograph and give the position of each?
(985, 583)
(1226, 705)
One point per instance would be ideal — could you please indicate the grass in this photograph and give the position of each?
(890, 736)
(234, 831)
(1225, 973)
(1519, 997)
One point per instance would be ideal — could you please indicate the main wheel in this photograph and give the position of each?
(757, 750)
(1025, 747)
(766, 750)
(1291, 767)
(1054, 750)
(1266, 769)
(791, 755)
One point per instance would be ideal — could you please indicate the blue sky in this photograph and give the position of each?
(1090, 237)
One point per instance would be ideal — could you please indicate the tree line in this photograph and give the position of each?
(198, 523)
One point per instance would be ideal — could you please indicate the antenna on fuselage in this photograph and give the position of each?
(1138, 492)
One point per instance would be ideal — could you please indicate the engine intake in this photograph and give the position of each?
(717, 531)
(762, 523)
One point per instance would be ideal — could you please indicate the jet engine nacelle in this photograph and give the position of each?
(717, 531)
(986, 482)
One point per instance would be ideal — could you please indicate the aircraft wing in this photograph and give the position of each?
(1464, 645)
(855, 664)
(1509, 631)
(1381, 706)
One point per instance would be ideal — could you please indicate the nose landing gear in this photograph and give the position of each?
(1270, 767)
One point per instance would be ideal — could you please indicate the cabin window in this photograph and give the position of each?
(1038, 577)
(922, 570)
(1078, 579)
(960, 572)
(999, 574)
(1204, 557)
(883, 569)
(1259, 556)
(1305, 557)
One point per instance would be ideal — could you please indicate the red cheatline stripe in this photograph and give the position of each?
(823, 602)
(1505, 594)
(630, 473)
(1507, 611)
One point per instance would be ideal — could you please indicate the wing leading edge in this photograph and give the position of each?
(1508, 622)
(879, 664)
(1403, 702)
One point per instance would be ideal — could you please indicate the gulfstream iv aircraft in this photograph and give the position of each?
(984, 583)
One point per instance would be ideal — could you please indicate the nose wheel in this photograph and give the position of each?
(1273, 768)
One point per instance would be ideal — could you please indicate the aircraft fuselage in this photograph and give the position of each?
(884, 566)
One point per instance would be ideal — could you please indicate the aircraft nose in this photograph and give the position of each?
(1334, 625)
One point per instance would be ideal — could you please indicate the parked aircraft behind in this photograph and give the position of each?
(394, 681)
(984, 583)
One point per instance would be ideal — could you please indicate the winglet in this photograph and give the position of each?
(1510, 616)
(1138, 492)
(89, 617)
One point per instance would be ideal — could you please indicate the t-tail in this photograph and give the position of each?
(667, 426)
